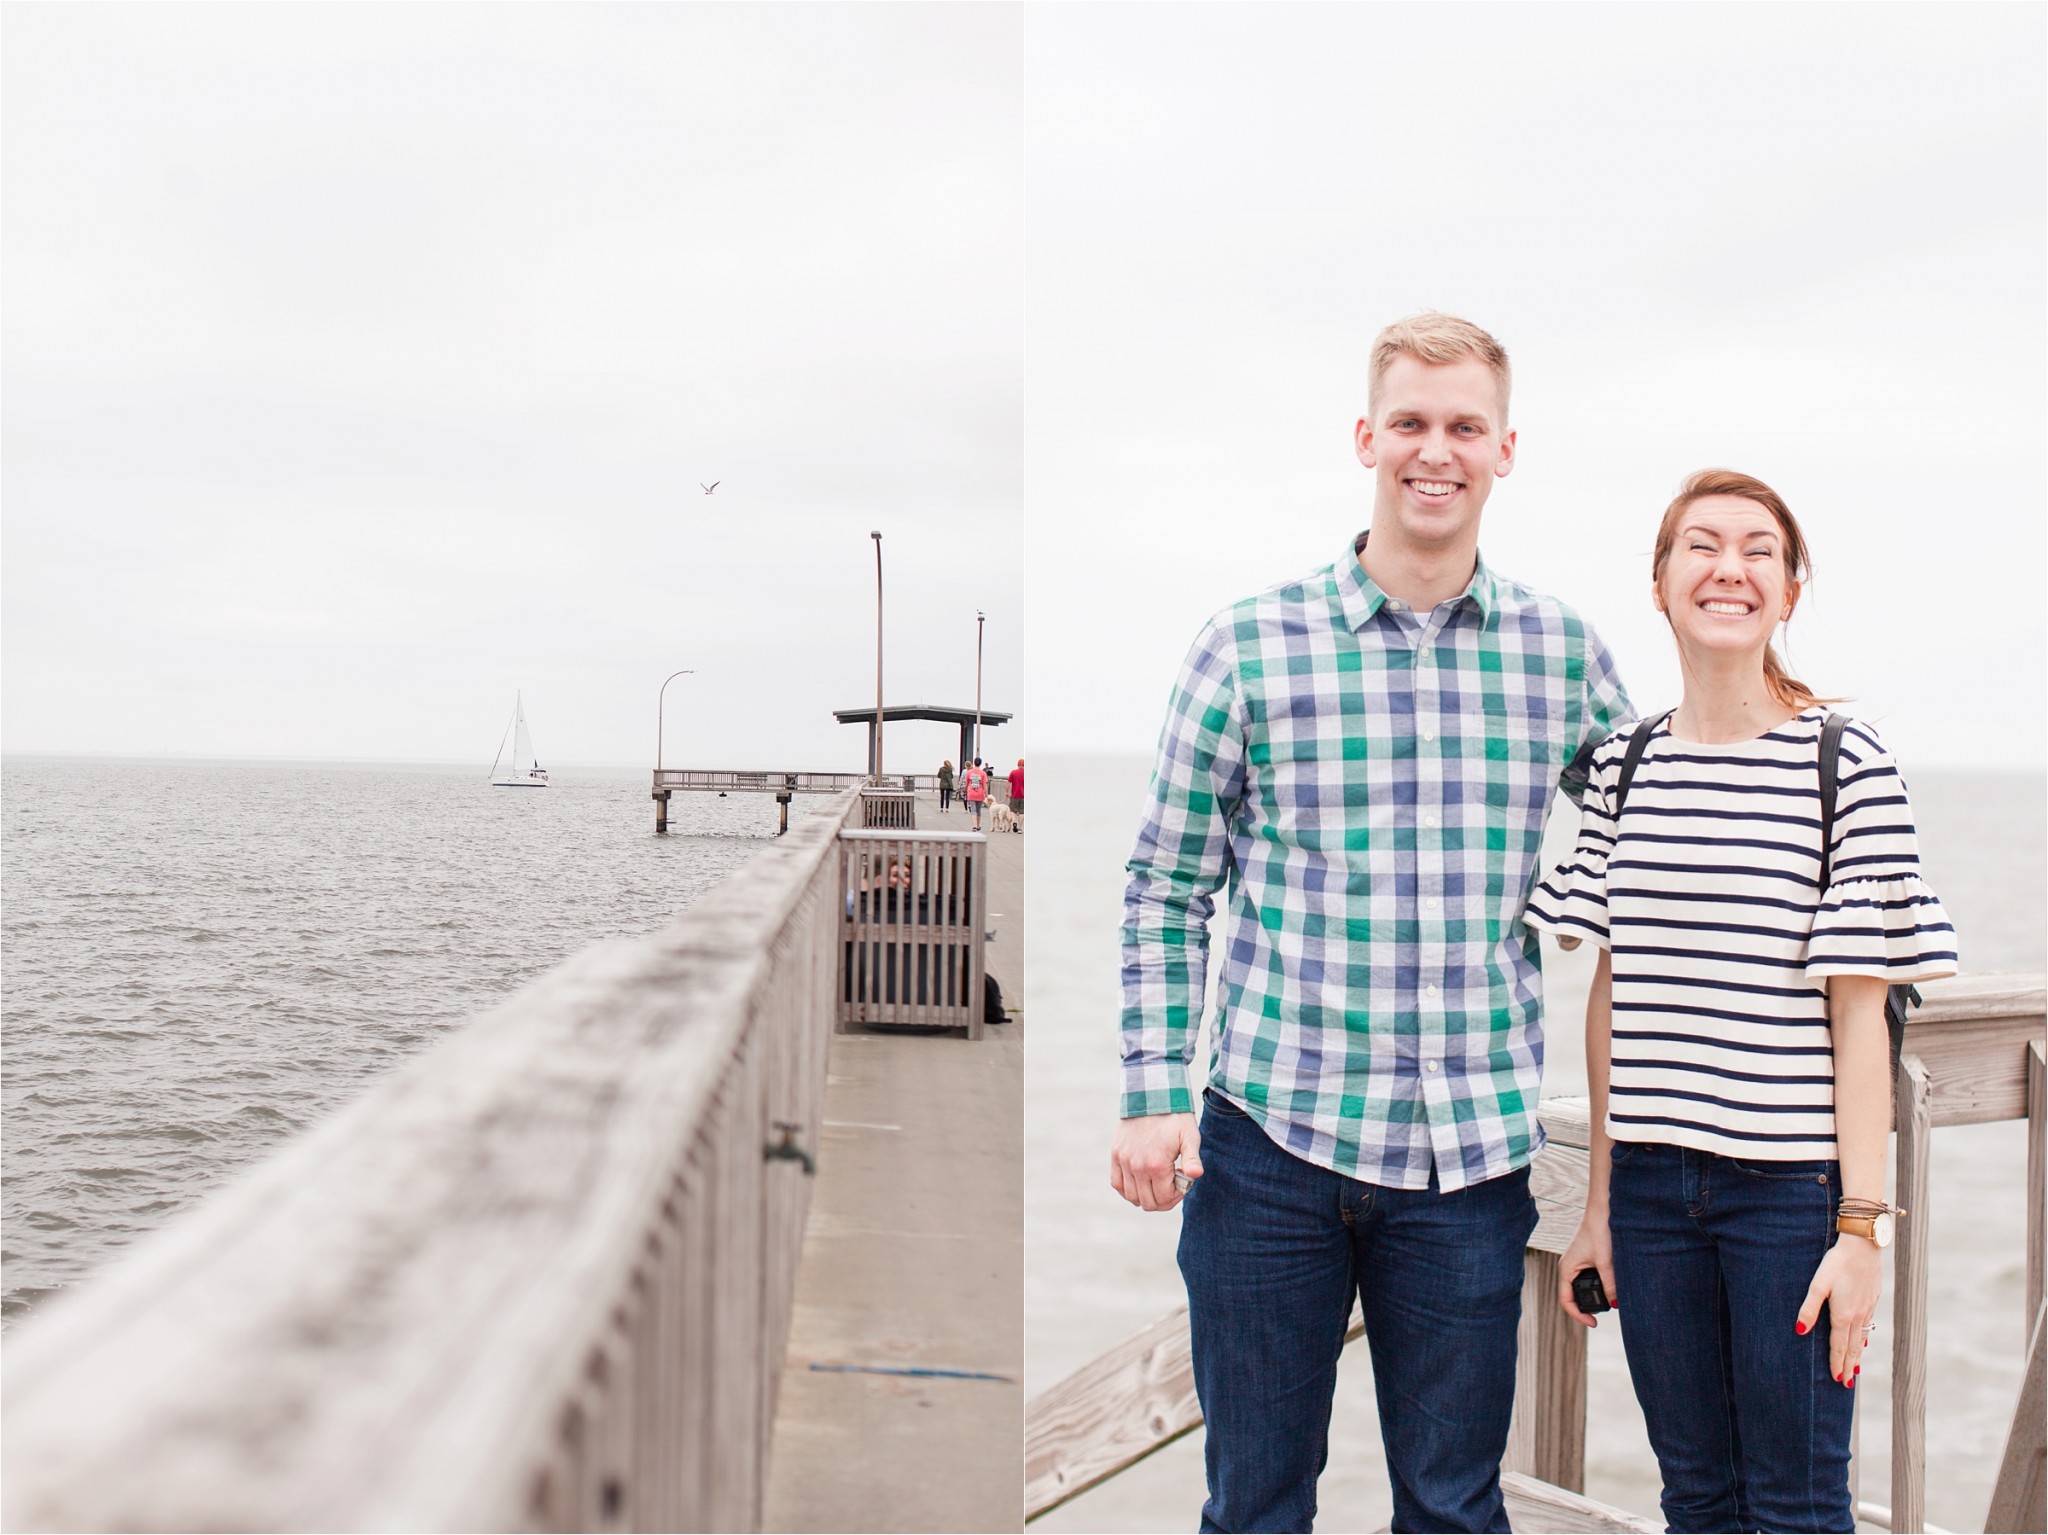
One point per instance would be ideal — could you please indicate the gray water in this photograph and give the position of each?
(202, 958)
(1097, 1270)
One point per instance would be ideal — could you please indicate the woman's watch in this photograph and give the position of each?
(1867, 1218)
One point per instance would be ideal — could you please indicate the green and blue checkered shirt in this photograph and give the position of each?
(1372, 783)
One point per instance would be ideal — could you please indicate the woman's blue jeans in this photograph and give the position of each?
(1273, 1249)
(1712, 1259)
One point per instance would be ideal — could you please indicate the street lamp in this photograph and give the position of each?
(659, 699)
(877, 537)
(980, 618)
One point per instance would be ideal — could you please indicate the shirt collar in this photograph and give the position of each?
(1361, 597)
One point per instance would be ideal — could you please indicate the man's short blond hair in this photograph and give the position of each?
(1435, 338)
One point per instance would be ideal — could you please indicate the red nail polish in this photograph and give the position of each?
(1802, 1328)
(1859, 1369)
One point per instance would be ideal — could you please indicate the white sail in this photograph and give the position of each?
(524, 771)
(523, 760)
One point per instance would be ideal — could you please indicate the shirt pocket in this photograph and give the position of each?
(1513, 754)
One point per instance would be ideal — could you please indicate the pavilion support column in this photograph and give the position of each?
(782, 804)
(661, 812)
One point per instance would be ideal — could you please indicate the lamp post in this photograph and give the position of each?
(980, 619)
(877, 537)
(659, 699)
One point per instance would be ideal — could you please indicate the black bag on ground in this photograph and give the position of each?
(992, 1009)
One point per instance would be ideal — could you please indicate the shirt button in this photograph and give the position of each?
(1429, 735)
(1429, 820)
(1431, 904)
(1429, 991)
(1430, 1065)
(1395, 606)
(1425, 652)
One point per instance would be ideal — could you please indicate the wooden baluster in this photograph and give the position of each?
(1909, 1301)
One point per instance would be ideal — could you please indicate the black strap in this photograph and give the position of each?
(1830, 767)
(1636, 743)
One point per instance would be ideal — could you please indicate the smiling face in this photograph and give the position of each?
(1436, 441)
(1725, 586)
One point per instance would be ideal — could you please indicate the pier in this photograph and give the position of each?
(561, 1271)
(1973, 1054)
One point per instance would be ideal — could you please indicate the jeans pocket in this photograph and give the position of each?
(1826, 1174)
(1218, 1104)
(1620, 1153)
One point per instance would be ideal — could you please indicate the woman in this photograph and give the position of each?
(946, 785)
(1736, 1045)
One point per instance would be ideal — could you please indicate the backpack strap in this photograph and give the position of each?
(1830, 770)
(1637, 741)
(1897, 999)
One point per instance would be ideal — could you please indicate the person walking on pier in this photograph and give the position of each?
(1017, 794)
(1367, 755)
(946, 786)
(1736, 1041)
(974, 788)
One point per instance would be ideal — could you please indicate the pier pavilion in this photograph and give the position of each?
(964, 718)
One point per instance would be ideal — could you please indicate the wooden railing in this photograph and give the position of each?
(1973, 1053)
(538, 1278)
(779, 781)
(893, 809)
(915, 926)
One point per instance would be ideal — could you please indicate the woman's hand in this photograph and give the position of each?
(1850, 1279)
(1591, 1248)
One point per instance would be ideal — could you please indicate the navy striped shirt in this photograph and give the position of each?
(1721, 938)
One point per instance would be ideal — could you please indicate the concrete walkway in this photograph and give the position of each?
(914, 1259)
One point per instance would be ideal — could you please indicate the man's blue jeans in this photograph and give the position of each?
(1713, 1258)
(1273, 1249)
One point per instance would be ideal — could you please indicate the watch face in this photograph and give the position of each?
(1881, 1230)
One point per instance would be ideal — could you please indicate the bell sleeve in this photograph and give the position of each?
(1571, 901)
(1877, 917)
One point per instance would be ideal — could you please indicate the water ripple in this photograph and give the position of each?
(203, 958)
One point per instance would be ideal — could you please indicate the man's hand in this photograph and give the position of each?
(1147, 1149)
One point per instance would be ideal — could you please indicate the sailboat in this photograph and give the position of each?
(523, 771)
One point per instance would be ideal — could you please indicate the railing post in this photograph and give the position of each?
(1909, 1301)
(1547, 1434)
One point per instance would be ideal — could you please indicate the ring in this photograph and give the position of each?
(1182, 1181)
(1869, 1328)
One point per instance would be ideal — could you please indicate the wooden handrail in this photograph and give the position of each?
(537, 1278)
(1972, 1053)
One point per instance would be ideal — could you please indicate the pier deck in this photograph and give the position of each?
(913, 1260)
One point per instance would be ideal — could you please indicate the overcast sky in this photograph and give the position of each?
(1802, 241)
(363, 363)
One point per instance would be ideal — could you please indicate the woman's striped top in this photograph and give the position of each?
(1721, 939)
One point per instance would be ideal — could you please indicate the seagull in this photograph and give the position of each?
(708, 489)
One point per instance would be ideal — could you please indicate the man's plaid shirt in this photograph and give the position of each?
(1374, 786)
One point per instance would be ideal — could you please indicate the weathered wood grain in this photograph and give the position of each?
(1536, 1505)
(432, 1311)
(2037, 1176)
(1909, 1300)
(2019, 1498)
(1547, 1434)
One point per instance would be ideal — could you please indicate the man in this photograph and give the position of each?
(1017, 795)
(1367, 755)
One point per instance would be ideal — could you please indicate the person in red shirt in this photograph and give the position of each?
(1017, 794)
